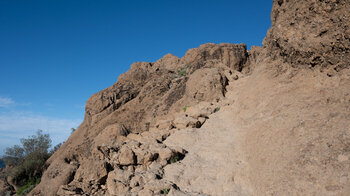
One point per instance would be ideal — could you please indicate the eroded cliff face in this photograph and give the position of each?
(223, 120)
(310, 33)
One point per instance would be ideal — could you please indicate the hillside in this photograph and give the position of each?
(223, 120)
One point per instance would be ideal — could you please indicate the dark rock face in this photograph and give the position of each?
(310, 33)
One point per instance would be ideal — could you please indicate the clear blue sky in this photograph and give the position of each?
(54, 54)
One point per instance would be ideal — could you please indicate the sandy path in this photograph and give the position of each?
(211, 164)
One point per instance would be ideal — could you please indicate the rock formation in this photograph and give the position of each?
(119, 147)
(310, 33)
(223, 120)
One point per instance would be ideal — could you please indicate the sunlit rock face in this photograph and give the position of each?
(223, 120)
(125, 124)
(311, 33)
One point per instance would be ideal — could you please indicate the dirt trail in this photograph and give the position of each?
(212, 162)
(281, 135)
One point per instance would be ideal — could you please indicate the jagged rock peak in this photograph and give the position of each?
(130, 84)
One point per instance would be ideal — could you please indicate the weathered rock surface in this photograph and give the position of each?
(288, 140)
(223, 120)
(311, 33)
(123, 127)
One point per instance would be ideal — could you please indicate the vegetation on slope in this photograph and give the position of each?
(26, 162)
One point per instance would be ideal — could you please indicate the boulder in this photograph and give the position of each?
(126, 156)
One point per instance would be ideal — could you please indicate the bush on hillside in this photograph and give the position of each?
(27, 160)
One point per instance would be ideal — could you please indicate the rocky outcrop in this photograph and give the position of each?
(310, 33)
(223, 120)
(112, 140)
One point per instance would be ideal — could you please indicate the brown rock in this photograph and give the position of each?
(165, 154)
(183, 122)
(310, 33)
(145, 192)
(117, 182)
(206, 84)
(233, 56)
(203, 109)
(99, 167)
(126, 156)
(117, 188)
(164, 124)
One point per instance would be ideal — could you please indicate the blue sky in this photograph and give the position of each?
(55, 54)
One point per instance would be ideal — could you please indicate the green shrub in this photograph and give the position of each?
(216, 110)
(165, 191)
(185, 108)
(25, 189)
(27, 161)
(182, 71)
(174, 159)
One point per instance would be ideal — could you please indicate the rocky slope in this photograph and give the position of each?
(223, 120)
(125, 125)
